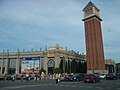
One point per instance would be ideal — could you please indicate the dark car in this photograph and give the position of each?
(118, 75)
(91, 78)
(7, 77)
(77, 77)
(111, 76)
(67, 77)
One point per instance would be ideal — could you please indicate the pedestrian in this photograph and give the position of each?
(27, 77)
(22, 77)
(5, 77)
(56, 78)
(36, 77)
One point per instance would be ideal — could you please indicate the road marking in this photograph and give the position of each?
(24, 86)
(89, 86)
(50, 84)
(99, 87)
(55, 84)
(81, 86)
(67, 85)
(71, 82)
(45, 84)
(74, 86)
(61, 85)
(108, 87)
(117, 83)
(15, 87)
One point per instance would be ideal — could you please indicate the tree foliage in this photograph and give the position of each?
(61, 65)
(74, 66)
(57, 70)
(42, 70)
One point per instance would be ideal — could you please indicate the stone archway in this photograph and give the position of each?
(51, 66)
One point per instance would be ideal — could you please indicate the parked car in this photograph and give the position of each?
(91, 78)
(1, 77)
(111, 76)
(118, 75)
(77, 77)
(68, 77)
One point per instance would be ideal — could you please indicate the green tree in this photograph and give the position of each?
(66, 67)
(69, 66)
(61, 65)
(42, 70)
(74, 66)
(57, 70)
(79, 67)
(85, 67)
(82, 67)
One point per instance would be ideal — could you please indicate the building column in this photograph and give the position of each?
(7, 62)
(2, 64)
(66, 61)
(63, 64)
(17, 71)
(69, 59)
(40, 59)
(45, 64)
(57, 61)
(40, 62)
(70, 65)
(114, 68)
(45, 61)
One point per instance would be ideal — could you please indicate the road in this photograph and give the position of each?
(51, 85)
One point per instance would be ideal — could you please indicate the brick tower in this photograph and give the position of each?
(94, 43)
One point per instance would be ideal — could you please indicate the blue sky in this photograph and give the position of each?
(26, 24)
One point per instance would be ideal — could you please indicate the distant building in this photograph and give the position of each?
(94, 43)
(117, 67)
(110, 65)
(33, 61)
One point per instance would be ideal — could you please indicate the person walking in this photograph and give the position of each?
(56, 78)
(27, 77)
(22, 76)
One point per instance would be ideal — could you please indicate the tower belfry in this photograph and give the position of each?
(93, 36)
(91, 11)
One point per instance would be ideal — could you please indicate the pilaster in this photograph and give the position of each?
(2, 64)
(17, 71)
(7, 62)
(45, 61)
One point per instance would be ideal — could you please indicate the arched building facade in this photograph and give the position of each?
(48, 59)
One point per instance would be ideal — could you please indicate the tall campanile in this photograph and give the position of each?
(93, 36)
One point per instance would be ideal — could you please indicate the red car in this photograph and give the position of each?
(91, 78)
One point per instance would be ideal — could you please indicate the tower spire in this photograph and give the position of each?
(91, 10)
(89, 5)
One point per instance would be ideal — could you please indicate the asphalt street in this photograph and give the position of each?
(51, 85)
